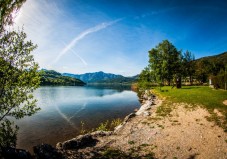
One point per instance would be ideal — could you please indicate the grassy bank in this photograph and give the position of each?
(204, 96)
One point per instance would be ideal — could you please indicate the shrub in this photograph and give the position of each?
(219, 81)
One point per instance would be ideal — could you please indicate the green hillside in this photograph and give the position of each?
(51, 77)
(212, 65)
(209, 66)
(220, 59)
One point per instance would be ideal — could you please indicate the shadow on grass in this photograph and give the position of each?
(164, 90)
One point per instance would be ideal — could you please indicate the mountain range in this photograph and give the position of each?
(101, 77)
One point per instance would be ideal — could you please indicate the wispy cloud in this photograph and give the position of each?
(81, 59)
(82, 35)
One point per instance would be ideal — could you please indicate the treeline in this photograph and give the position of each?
(119, 80)
(51, 77)
(169, 66)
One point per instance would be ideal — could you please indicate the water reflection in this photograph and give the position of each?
(63, 108)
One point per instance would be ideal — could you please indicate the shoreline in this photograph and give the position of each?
(184, 133)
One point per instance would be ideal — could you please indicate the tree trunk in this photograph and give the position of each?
(191, 81)
(168, 82)
(178, 82)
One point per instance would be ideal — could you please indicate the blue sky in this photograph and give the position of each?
(79, 36)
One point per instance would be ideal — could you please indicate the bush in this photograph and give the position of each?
(219, 81)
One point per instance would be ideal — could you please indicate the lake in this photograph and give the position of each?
(64, 107)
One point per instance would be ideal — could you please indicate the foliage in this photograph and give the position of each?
(19, 77)
(115, 153)
(202, 71)
(118, 80)
(8, 134)
(51, 77)
(105, 126)
(146, 78)
(220, 80)
(167, 64)
(165, 61)
(82, 130)
(188, 66)
(118, 154)
(209, 66)
(7, 8)
(109, 126)
(18, 72)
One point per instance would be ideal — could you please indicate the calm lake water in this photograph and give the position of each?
(64, 107)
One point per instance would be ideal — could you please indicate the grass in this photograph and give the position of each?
(131, 142)
(105, 126)
(210, 98)
(195, 95)
(118, 154)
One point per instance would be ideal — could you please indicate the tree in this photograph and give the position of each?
(165, 60)
(19, 75)
(7, 8)
(202, 70)
(146, 77)
(189, 65)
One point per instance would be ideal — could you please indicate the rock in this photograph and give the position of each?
(79, 142)
(145, 96)
(128, 117)
(11, 153)
(146, 113)
(45, 151)
(118, 128)
(144, 107)
(101, 133)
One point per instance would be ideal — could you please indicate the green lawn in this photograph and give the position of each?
(206, 96)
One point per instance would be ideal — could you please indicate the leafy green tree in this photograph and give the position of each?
(188, 66)
(18, 75)
(165, 60)
(202, 70)
(146, 77)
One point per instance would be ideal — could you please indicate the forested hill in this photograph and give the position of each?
(94, 77)
(211, 65)
(220, 59)
(51, 77)
(119, 80)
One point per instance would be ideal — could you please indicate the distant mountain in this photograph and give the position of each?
(94, 77)
(103, 78)
(51, 77)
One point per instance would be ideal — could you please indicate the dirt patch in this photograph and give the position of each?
(225, 102)
(186, 133)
